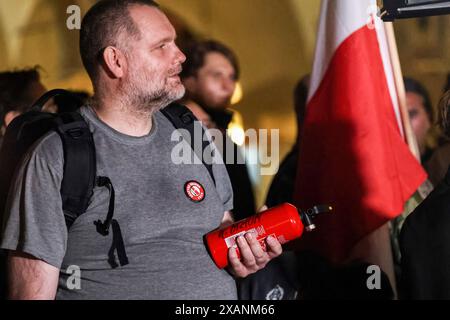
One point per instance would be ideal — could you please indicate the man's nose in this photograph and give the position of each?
(229, 85)
(181, 58)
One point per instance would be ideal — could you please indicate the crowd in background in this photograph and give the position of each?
(209, 75)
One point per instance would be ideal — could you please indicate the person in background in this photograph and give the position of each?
(425, 237)
(439, 161)
(18, 91)
(210, 74)
(420, 112)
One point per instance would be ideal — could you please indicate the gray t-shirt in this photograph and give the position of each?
(162, 227)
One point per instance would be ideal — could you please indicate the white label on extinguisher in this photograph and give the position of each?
(231, 240)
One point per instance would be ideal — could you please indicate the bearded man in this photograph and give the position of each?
(128, 49)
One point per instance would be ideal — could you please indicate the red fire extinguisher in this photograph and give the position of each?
(284, 222)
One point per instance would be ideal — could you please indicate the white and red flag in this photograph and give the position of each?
(353, 152)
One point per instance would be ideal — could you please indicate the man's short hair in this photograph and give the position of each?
(15, 92)
(103, 25)
(414, 86)
(196, 53)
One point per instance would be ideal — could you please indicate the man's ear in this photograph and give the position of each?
(9, 116)
(115, 62)
(190, 83)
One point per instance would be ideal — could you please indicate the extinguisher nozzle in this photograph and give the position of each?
(319, 209)
(311, 213)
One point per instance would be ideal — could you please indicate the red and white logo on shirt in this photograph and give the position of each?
(194, 191)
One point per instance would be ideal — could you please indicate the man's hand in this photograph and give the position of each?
(253, 257)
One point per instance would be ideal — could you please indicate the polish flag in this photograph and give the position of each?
(353, 152)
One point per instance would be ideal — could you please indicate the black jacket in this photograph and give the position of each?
(243, 197)
(425, 247)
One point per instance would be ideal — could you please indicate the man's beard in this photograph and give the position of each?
(142, 93)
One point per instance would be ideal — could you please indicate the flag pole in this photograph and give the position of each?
(400, 89)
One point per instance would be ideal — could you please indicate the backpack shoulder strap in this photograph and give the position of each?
(79, 164)
(183, 118)
(79, 180)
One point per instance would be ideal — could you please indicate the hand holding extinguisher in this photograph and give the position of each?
(283, 222)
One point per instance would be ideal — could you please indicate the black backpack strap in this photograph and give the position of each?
(79, 164)
(40, 103)
(79, 179)
(183, 118)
